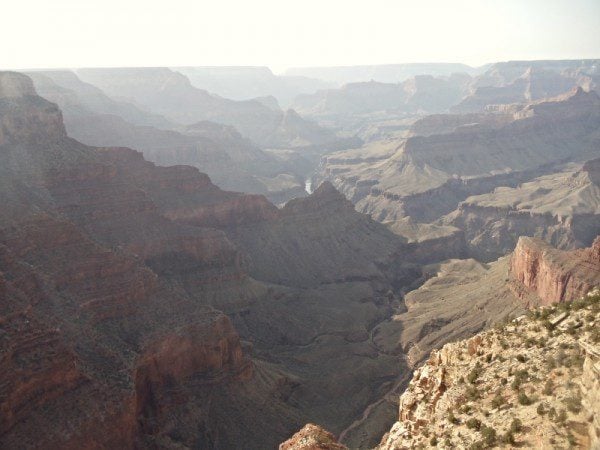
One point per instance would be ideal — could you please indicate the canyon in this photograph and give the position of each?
(186, 264)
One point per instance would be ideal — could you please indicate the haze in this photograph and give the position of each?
(281, 34)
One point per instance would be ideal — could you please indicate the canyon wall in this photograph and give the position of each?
(552, 275)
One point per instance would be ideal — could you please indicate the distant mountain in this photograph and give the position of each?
(232, 161)
(421, 93)
(246, 83)
(171, 94)
(65, 88)
(383, 73)
(427, 176)
(525, 81)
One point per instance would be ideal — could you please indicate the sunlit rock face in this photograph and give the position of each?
(552, 275)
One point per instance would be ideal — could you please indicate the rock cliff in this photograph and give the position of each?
(552, 275)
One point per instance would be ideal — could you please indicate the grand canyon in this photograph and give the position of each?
(385, 256)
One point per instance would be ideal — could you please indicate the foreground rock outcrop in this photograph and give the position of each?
(551, 275)
(312, 437)
(523, 384)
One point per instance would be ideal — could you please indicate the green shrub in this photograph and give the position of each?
(520, 377)
(571, 439)
(472, 393)
(433, 441)
(508, 438)
(474, 374)
(561, 418)
(573, 404)
(474, 424)
(524, 399)
(452, 418)
(489, 435)
(521, 358)
(498, 401)
(479, 445)
(541, 410)
(548, 387)
(516, 425)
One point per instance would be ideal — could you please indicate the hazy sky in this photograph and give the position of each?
(282, 33)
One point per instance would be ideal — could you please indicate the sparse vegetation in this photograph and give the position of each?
(516, 425)
(474, 424)
(542, 370)
(573, 404)
(489, 435)
(524, 399)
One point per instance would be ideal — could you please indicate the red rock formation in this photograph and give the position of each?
(312, 437)
(91, 336)
(552, 275)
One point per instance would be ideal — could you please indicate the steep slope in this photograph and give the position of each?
(86, 325)
(448, 306)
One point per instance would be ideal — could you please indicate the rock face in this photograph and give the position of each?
(312, 437)
(552, 275)
(455, 399)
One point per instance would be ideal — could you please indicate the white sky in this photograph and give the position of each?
(283, 33)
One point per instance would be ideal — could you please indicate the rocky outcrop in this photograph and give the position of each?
(552, 275)
(14, 85)
(590, 390)
(312, 437)
(516, 385)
